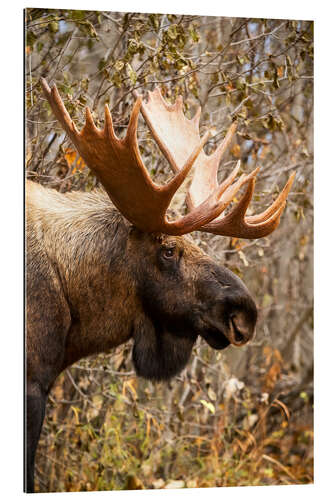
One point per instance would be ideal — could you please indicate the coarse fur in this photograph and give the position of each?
(93, 281)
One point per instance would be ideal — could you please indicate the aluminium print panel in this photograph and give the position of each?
(169, 251)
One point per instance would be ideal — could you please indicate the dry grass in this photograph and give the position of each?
(113, 432)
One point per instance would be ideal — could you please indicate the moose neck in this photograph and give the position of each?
(85, 239)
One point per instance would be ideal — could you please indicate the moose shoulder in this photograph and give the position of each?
(101, 271)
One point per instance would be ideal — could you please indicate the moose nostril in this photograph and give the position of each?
(239, 337)
(241, 330)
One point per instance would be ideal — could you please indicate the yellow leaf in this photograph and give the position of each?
(208, 405)
(130, 385)
(280, 71)
(70, 156)
(76, 412)
(80, 163)
(73, 159)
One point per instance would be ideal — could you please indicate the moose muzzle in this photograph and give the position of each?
(241, 329)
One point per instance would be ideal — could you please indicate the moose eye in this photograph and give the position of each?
(169, 253)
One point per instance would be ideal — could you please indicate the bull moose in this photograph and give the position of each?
(109, 266)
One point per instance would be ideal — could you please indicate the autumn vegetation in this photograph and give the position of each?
(243, 416)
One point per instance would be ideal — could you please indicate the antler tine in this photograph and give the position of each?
(251, 227)
(118, 165)
(205, 174)
(255, 219)
(108, 124)
(59, 109)
(212, 207)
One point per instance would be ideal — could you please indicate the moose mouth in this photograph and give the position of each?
(215, 338)
(219, 336)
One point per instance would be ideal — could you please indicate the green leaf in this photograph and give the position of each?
(116, 79)
(194, 34)
(172, 31)
(31, 38)
(132, 46)
(131, 73)
(304, 396)
(119, 65)
(53, 27)
(154, 20)
(77, 14)
(101, 64)
(267, 300)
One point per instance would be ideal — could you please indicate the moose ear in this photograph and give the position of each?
(159, 237)
(134, 230)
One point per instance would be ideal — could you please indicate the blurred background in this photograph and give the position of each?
(242, 416)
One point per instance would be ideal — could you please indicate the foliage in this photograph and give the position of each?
(239, 417)
(111, 430)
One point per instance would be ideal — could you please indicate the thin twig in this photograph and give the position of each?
(282, 467)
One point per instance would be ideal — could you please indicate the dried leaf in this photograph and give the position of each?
(175, 484)
(70, 156)
(134, 483)
(158, 484)
(236, 150)
(130, 385)
(243, 258)
(211, 394)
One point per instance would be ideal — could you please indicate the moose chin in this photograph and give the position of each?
(109, 266)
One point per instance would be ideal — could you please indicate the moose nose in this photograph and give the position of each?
(241, 330)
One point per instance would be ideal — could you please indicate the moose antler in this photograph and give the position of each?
(118, 164)
(181, 137)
